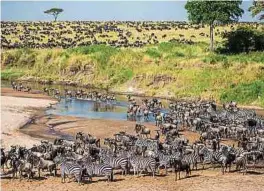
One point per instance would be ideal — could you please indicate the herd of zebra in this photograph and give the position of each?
(85, 157)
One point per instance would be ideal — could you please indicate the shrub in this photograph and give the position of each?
(243, 39)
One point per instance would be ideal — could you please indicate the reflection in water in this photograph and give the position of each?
(103, 107)
(94, 110)
(90, 109)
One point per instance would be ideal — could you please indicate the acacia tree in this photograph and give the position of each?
(210, 12)
(257, 8)
(55, 12)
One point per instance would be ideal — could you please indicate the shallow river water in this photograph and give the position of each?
(88, 108)
(84, 108)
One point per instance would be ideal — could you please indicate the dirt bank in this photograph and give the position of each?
(15, 113)
(210, 180)
(48, 127)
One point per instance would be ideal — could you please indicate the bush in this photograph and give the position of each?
(243, 40)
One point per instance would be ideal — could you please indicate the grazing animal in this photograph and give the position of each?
(143, 130)
(179, 166)
(71, 169)
(116, 162)
(93, 169)
(3, 159)
(140, 163)
(24, 166)
(46, 164)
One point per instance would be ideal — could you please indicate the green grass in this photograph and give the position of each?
(11, 74)
(183, 70)
(245, 93)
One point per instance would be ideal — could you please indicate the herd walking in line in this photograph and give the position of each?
(144, 151)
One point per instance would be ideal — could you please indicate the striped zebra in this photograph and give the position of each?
(209, 156)
(164, 160)
(242, 160)
(191, 159)
(116, 162)
(238, 152)
(71, 169)
(93, 169)
(241, 163)
(140, 163)
(151, 145)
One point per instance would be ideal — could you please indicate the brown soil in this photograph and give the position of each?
(198, 181)
(100, 128)
(209, 179)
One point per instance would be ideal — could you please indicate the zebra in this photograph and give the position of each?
(225, 157)
(71, 168)
(242, 160)
(164, 160)
(116, 162)
(238, 152)
(191, 159)
(148, 144)
(209, 155)
(140, 163)
(241, 163)
(93, 169)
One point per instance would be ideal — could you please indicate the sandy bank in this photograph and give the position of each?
(15, 113)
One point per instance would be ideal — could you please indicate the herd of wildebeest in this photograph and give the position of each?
(86, 156)
(66, 34)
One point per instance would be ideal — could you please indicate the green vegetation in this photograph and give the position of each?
(246, 92)
(165, 69)
(54, 12)
(257, 8)
(244, 39)
(11, 74)
(209, 12)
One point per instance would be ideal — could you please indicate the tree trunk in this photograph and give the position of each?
(211, 37)
(55, 17)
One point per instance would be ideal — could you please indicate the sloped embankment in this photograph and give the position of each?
(166, 69)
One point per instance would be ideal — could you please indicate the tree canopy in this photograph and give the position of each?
(209, 12)
(257, 8)
(55, 12)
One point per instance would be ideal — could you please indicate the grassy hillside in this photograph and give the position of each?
(166, 69)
